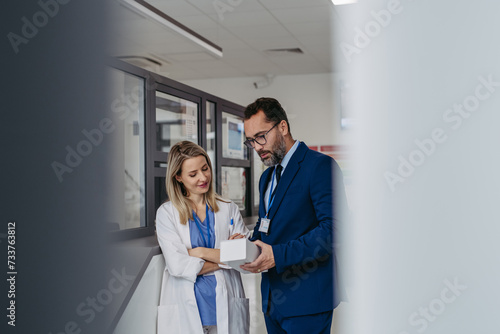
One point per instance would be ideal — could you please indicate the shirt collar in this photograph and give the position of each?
(288, 155)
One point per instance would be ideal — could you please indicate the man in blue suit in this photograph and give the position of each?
(301, 199)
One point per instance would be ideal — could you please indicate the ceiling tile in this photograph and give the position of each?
(226, 7)
(253, 18)
(175, 8)
(261, 31)
(319, 42)
(198, 22)
(189, 57)
(308, 28)
(273, 4)
(234, 44)
(285, 42)
(299, 15)
(245, 30)
(219, 35)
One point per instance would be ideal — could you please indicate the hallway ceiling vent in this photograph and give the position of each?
(281, 52)
(148, 62)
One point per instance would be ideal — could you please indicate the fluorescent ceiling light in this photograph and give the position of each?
(343, 2)
(144, 8)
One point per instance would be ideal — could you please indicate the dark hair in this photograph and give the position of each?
(271, 108)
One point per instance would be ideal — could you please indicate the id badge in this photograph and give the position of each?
(264, 225)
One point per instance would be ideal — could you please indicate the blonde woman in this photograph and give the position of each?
(199, 293)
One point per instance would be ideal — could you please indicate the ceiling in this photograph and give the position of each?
(244, 29)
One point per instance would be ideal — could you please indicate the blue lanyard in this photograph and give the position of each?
(271, 198)
(207, 218)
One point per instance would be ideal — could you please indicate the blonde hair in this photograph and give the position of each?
(176, 191)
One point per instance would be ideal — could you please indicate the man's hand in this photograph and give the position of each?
(265, 260)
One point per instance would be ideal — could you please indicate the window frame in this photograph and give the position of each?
(154, 173)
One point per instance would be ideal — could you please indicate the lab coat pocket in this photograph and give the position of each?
(168, 319)
(239, 315)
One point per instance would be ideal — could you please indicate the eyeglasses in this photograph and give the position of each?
(261, 140)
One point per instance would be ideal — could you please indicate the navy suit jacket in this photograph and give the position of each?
(302, 233)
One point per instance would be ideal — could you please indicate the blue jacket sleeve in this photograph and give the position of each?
(256, 233)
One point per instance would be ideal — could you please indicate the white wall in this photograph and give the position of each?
(311, 102)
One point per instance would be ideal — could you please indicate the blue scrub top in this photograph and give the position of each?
(204, 287)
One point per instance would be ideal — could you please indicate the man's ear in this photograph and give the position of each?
(283, 126)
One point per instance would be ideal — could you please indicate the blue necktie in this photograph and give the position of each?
(279, 168)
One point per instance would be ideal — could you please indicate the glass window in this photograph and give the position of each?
(234, 185)
(176, 120)
(233, 137)
(211, 133)
(127, 102)
(258, 169)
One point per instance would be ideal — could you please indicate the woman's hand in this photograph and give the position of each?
(236, 236)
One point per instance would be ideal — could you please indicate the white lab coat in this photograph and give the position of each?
(178, 311)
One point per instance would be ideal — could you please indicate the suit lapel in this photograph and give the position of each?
(291, 170)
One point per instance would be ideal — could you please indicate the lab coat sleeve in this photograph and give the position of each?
(318, 243)
(177, 260)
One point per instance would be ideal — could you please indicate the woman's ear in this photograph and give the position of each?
(178, 178)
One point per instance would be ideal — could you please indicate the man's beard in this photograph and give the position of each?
(277, 153)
